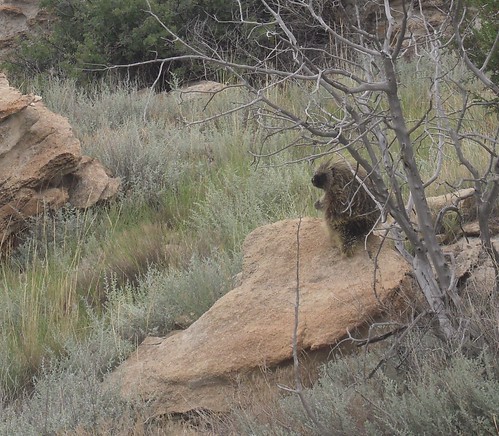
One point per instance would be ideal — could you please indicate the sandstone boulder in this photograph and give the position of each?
(252, 326)
(199, 90)
(41, 163)
(17, 19)
(90, 183)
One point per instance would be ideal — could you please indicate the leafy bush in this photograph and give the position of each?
(172, 298)
(88, 35)
(483, 18)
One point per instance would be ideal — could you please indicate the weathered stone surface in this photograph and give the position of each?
(91, 183)
(12, 101)
(201, 89)
(18, 18)
(252, 326)
(38, 153)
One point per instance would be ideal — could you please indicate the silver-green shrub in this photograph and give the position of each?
(172, 298)
(238, 203)
(69, 395)
(434, 394)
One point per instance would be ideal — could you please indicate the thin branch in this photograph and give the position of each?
(296, 362)
(403, 333)
(464, 54)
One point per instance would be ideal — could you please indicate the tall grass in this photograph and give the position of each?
(153, 259)
(40, 303)
(85, 287)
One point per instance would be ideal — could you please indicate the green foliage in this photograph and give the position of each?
(88, 35)
(40, 302)
(460, 398)
(483, 17)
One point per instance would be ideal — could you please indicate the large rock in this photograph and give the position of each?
(201, 89)
(90, 183)
(17, 19)
(41, 163)
(252, 326)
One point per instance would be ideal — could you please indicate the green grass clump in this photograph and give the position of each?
(41, 307)
(85, 287)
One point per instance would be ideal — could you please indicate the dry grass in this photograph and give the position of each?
(167, 249)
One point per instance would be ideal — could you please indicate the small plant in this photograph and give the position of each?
(418, 391)
(170, 299)
(68, 393)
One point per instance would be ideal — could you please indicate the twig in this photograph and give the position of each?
(382, 337)
(404, 333)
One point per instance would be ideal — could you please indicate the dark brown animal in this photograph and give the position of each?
(349, 211)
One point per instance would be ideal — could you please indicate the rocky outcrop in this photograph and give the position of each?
(18, 18)
(90, 183)
(199, 89)
(252, 326)
(41, 165)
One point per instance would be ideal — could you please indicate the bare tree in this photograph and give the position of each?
(354, 104)
(486, 183)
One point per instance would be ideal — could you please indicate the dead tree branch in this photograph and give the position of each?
(356, 106)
